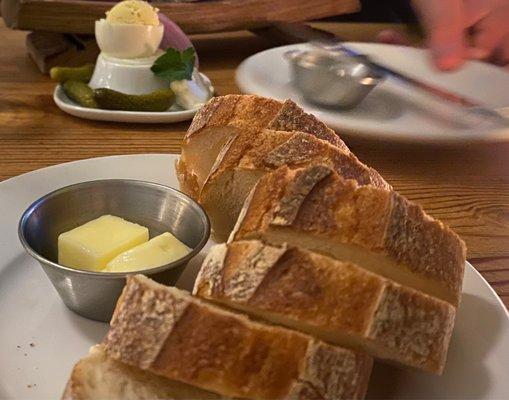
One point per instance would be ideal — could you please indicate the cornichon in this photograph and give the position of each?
(64, 74)
(81, 93)
(160, 100)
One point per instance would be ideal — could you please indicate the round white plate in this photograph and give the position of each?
(173, 115)
(31, 311)
(389, 112)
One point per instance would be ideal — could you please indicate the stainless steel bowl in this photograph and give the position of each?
(331, 79)
(159, 208)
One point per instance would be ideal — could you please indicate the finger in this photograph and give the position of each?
(444, 24)
(490, 31)
(391, 36)
(475, 10)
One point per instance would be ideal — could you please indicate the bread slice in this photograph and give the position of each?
(248, 155)
(100, 377)
(379, 230)
(336, 301)
(172, 334)
(224, 116)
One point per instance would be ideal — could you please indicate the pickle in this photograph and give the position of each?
(64, 74)
(159, 100)
(81, 93)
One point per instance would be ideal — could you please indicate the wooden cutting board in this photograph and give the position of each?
(78, 16)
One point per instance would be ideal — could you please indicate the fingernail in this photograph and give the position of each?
(392, 37)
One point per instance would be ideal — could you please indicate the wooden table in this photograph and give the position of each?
(466, 187)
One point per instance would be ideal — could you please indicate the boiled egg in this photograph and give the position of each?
(131, 29)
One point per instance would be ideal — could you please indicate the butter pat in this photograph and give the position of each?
(161, 250)
(92, 245)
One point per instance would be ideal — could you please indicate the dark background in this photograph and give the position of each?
(382, 11)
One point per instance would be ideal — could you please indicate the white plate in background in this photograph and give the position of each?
(385, 114)
(31, 311)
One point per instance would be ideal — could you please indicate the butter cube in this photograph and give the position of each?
(161, 250)
(92, 245)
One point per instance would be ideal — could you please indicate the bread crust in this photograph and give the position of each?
(256, 112)
(337, 298)
(225, 352)
(380, 221)
(266, 150)
(292, 118)
(249, 154)
(234, 115)
(262, 135)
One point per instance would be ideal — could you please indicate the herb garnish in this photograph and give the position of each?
(175, 65)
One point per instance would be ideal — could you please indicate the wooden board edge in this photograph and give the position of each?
(78, 16)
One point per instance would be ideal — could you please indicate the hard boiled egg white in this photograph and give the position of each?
(128, 40)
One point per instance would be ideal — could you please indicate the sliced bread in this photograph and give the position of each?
(98, 376)
(314, 208)
(222, 117)
(248, 155)
(170, 333)
(336, 301)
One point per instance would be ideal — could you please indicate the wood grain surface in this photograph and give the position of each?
(467, 187)
(77, 16)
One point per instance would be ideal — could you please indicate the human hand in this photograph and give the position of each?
(462, 29)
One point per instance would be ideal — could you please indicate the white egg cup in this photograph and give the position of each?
(128, 52)
(130, 76)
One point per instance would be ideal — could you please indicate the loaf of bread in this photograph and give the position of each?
(323, 251)
(97, 377)
(170, 333)
(223, 117)
(313, 207)
(222, 187)
(336, 301)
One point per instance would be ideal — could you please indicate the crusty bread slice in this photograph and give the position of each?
(97, 377)
(379, 230)
(336, 301)
(221, 187)
(170, 333)
(256, 112)
(222, 117)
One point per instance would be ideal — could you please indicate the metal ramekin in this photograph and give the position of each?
(331, 80)
(160, 208)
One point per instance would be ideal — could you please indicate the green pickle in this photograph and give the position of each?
(159, 100)
(81, 93)
(64, 74)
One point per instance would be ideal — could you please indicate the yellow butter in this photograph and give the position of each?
(92, 245)
(161, 250)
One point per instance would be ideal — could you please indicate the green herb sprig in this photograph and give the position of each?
(174, 65)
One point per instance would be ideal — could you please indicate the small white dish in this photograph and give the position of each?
(174, 114)
(130, 76)
(389, 112)
(31, 311)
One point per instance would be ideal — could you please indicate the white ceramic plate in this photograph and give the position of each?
(389, 113)
(173, 115)
(31, 311)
